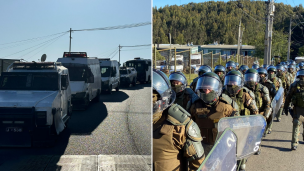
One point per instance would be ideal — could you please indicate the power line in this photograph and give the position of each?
(117, 27)
(135, 49)
(138, 45)
(116, 49)
(34, 38)
(44, 47)
(31, 47)
(114, 54)
(105, 52)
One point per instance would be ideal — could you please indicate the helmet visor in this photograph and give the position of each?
(178, 77)
(233, 80)
(209, 83)
(160, 84)
(252, 77)
(230, 64)
(300, 73)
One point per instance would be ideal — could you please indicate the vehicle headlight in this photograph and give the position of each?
(40, 117)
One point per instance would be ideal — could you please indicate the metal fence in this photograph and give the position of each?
(172, 61)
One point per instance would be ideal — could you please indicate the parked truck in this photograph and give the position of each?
(85, 78)
(128, 76)
(35, 103)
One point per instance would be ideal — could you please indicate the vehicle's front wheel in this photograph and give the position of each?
(117, 88)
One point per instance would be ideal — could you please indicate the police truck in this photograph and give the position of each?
(35, 103)
(143, 68)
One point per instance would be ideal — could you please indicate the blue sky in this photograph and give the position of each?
(162, 3)
(22, 20)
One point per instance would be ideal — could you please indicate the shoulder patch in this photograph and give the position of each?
(226, 98)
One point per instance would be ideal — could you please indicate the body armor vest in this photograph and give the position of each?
(298, 98)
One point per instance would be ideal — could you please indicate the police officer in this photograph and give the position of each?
(202, 69)
(234, 89)
(261, 92)
(255, 66)
(277, 83)
(237, 65)
(209, 108)
(179, 85)
(221, 72)
(265, 66)
(230, 65)
(176, 138)
(272, 92)
(243, 68)
(285, 83)
(296, 97)
(292, 71)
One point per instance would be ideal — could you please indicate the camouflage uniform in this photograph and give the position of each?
(285, 84)
(183, 97)
(246, 102)
(296, 96)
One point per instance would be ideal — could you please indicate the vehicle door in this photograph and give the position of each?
(64, 95)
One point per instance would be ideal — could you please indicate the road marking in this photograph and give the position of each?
(78, 163)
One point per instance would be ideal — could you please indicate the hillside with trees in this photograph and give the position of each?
(207, 22)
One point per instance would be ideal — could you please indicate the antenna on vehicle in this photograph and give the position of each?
(43, 58)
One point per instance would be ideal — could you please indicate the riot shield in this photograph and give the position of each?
(249, 131)
(222, 155)
(277, 102)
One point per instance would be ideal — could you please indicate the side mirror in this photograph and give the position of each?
(64, 80)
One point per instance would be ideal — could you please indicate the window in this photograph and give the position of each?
(105, 71)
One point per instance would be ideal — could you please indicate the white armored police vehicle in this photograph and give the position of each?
(84, 76)
(110, 76)
(35, 103)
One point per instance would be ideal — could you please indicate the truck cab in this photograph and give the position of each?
(35, 103)
(85, 78)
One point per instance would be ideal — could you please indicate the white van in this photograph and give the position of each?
(179, 63)
(84, 76)
(299, 59)
(110, 76)
(35, 103)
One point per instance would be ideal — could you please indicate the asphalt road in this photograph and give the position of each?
(276, 151)
(120, 124)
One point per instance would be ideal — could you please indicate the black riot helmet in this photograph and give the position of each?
(300, 76)
(219, 68)
(265, 66)
(301, 65)
(251, 78)
(176, 77)
(203, 69)
(233, 82)
(209, 87)
(291, 68)
(255, 66)
(271, 69)
(243, 68)
(263, 74)
(230, 65)
(163, 95)
(280, 69)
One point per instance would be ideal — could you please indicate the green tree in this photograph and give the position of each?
(301, 51)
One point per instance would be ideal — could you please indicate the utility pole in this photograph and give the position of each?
(289, 39)
(169, 60)
(241, 42)
(271, 14)
(70, 38)
(266, 33)
(119, 52)
(240, 5)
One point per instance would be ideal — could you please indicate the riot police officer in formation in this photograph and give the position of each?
(179, 85)
(295, 96)
(202, 69)
(226, 92)
(176, 138)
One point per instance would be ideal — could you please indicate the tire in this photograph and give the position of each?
(86, 102)
(96, 99)
(110, 89)
(134, 82)
(117, 88)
